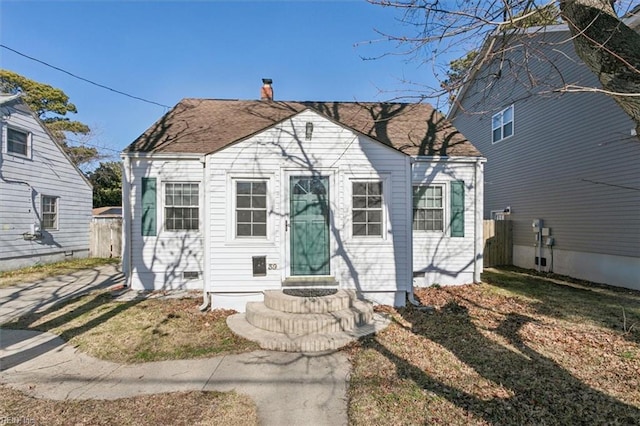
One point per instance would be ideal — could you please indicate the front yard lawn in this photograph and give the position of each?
(521, 348)
(180, 408)
(140, 330)
(518, 349)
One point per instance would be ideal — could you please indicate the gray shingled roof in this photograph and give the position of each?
(203, 126)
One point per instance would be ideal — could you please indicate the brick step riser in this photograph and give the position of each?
(308, 305)
(279, 301)
(308, 323)
(303, 343)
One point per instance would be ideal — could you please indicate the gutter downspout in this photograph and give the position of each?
(206, 299)
(410, 295)
(127, 228)
(411, 298)
(478, 214)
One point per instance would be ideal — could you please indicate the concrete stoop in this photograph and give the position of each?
(306, 324)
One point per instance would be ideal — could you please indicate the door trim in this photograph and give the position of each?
(286, 176)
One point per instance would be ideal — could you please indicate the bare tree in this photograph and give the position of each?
(609, 47)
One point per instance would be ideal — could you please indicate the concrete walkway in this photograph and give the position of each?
(288, 388)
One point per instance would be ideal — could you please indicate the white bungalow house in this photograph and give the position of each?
(45, 201)
(237, 197)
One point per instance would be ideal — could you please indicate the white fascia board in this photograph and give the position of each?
(163, 156)
(446, 159)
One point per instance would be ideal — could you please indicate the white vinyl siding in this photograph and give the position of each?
(159, 260)
(428, 208)
(49, 212)
(181, 207)
(439, 258)
(371, 264)
(268, 160)
(502, 124)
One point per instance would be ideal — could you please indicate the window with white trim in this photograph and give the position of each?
(49, 212)
(502, 124)
(367, 209)
(251, 208)
(428, 208)
(181, 206)
(18, 142)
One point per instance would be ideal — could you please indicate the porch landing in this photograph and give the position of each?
(306, 324)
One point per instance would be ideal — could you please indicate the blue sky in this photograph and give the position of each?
(165, 51)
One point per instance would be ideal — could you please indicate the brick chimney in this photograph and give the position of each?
(266, 92)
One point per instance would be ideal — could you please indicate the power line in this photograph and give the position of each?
(84, 79)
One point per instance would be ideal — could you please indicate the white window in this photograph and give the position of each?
(367, 208)
(251, 209)
(428, 208)
(18, 142)
(49, 212)
(181, 207)
(502, 124)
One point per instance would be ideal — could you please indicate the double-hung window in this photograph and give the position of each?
(502, 124)
(367, 209)
(428, 208)
(181, 207)
(49, 212)
(251, 208)
(18, 142)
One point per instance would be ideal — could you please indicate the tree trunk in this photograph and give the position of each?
(609, 48)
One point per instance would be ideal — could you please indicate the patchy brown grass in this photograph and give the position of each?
(139, 330)
(38, 272)
(180, 408)
(519, 349)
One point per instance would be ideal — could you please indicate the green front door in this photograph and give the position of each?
(309, 225)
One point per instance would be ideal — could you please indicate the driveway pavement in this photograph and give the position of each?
(288, 388)
(21, 299)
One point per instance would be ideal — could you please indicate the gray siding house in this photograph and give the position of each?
(45, 201)
(563, 167)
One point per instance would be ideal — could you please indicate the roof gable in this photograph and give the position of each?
(207, 125)
(17, 103)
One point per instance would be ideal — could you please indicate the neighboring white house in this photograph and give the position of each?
(237, 197)
(45, 201)
(569, 162)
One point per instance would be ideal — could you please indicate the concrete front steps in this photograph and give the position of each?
(306, 324)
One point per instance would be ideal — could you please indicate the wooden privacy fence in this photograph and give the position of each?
(106, 237)
(498, 243)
